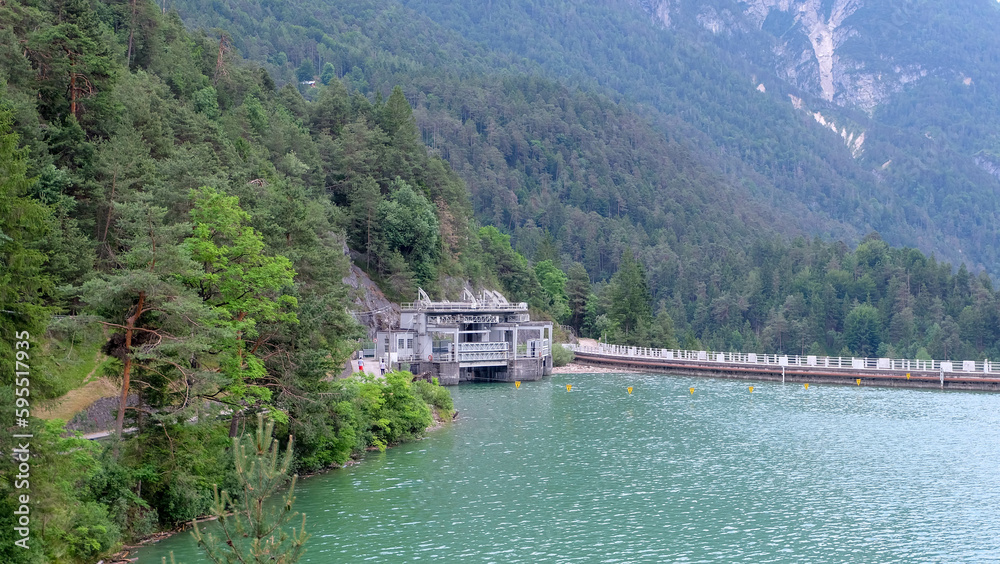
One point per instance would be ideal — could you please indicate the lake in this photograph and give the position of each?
(595, 474)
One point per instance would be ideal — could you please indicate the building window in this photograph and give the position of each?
(409, 343)
(399, 343)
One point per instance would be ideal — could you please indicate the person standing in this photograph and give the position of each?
(381, 365)
(361, 365)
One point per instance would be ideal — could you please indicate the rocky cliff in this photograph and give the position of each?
(842, 51)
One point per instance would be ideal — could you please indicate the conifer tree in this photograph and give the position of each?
(155, 318)
(22, 281)
(578, 291)
(246, 516)
(630, 297)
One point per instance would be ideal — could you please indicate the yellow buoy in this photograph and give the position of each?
(907, 375)
(751, 389)
(517, 384)
(692, 391)
(807, 385)
(569, 387)
(630, 390)
(859, 381)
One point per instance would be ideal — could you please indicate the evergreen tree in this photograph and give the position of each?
(577, 293)
(254, 533)
(404, 152)
(142, 299)
(23, 283)
(329, 73)
(332, 108)
(630, 297)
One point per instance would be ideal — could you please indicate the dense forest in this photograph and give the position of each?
(178, 219)
(172, 221)
(798, 297)
(922, 178)
(579, 176)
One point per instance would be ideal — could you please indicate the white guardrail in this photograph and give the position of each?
(791, 360)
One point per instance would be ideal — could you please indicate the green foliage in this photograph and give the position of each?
(306, 70)
(862, 330)
(434, 394)
(811, 296)
(553, 282)
(401, 415)
(77, 526)
(407, 225)
(365, 412)
(244, 286)
(206, 101)
(561, 356)
(577, 294)
(254, 532)
(328, 74)
(630, 297)
(511, 268)
(23, 282)
(234, 295)
(230, 293)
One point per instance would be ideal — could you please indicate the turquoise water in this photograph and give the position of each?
(783, 474)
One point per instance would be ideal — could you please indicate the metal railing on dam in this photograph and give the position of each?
(966, 374)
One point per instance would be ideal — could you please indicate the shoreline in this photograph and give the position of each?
(123, 556)
(578, 368)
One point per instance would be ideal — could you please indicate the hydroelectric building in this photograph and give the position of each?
(477, 339)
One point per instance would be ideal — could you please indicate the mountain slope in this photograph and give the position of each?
(748, 75)
(516, 142)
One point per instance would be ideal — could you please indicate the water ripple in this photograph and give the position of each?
(785, 474)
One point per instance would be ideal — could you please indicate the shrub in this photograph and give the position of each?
(435, 395)
(561, 356)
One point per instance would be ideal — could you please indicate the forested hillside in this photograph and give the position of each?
(174, 218)
(186, 221)
(935, 189)
(581, 175)
(374, 46)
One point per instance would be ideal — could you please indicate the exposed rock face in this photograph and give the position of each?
(659, 9)
(807, 49)
(825, 34)
(990, 164)
(370, 307)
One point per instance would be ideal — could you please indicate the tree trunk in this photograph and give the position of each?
(72, 92)
(234, 424)
(127, 369)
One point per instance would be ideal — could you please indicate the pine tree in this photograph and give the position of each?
(577, 291)
(630, 297)
(155, 318)
(259, 475)
(22, 220)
